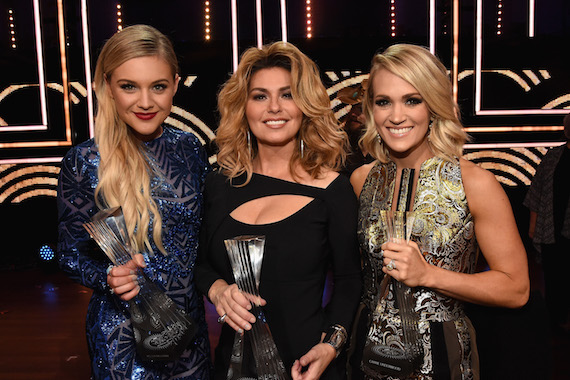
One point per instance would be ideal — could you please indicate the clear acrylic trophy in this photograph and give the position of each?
(162, 330)
(246, 256)
(395, 356)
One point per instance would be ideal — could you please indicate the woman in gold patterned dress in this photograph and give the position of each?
(413, 131)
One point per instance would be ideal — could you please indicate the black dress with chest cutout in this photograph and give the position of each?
(299, 252)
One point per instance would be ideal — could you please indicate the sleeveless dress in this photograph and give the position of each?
(444, 231)
(180, 166)
(299, 251)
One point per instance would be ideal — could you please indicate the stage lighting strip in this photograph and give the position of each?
(500, 18)
(283, 20)
(546, 110)
(309, 18)
(64, 88)
(87, 63)
(207, 21)
(119, 17)
(64, 76)
(235, 59)
(432, 16)
(531, 4)
(514, 129)
(259, 23)
(392, 18)
(12, 24)
(455, 61)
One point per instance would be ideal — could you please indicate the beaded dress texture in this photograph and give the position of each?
(179, 167)
(444, 231)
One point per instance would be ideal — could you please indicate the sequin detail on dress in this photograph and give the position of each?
(181, 165)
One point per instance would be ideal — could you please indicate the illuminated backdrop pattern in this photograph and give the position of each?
(512, 102)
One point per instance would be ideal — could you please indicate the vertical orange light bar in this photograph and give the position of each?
(87, 62)
(64, 77)
(309, 18)
(207, 22)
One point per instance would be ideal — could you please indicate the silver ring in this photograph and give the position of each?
(391, 265)
(222, 318)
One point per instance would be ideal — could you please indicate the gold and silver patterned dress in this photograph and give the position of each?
(444, 231)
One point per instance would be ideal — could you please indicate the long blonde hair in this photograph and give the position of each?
(325, 143)
(124, 173)
(417, 66)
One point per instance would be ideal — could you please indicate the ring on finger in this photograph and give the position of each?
(391, 265)
(222, 319)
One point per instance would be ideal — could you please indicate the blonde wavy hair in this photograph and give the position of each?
(325, 144)
(419, 67)
(124, 173)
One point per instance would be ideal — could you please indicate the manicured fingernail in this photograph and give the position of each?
(247, 326)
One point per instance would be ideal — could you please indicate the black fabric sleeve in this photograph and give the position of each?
(214, 209)
(342, 207)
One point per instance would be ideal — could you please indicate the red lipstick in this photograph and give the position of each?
(145, 116)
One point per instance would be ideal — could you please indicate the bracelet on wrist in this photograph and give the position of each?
(336, 336)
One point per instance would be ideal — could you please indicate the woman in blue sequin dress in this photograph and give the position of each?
(413, 131)
(156, 174)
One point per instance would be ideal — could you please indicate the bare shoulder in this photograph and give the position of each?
(475, 177)
(481, 187)
(359, 176)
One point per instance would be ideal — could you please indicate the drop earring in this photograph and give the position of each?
(302, 148)
(249, 143)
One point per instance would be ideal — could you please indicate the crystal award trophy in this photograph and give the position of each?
(254, 354)
(403, 353)
(162, 330)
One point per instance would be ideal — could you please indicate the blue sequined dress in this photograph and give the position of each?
(177, 191)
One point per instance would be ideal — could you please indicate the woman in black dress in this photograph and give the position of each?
(279, 151)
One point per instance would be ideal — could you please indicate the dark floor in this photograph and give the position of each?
(42, 333)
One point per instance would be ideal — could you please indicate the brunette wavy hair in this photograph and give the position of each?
(325, 144)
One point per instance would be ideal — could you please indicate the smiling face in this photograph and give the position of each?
(401, 117)
(271, 112)
(142, 89)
